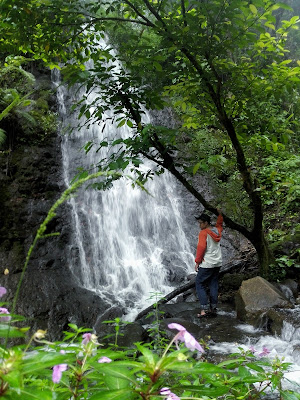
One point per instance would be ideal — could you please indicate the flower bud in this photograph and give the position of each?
(39, 334)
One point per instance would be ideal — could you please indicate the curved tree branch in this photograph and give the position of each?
(167, 162)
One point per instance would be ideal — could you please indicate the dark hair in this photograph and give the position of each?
(203, 217)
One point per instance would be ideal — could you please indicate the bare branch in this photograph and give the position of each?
(148, 22)
(183, 12)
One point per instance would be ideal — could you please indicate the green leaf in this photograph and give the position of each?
(87, 148)
(2, 137)
(32, 393)
(208, 368)
(211, 392)
(73, 326)
(149, 358)
(26, 103)
(285, 62)
(118, 141)
(255, 367)
(123, 394)
(231, 363)
(13, 378)
(10, 331)
(117, 371)
(294, 19)
(253, 9)
(157, 66)
(172, 363)
(121, 123)
(243, 372)
(41, 360)
(287, 395)
(196, 167)
(284, 6)
(114, 383)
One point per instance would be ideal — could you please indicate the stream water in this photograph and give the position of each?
(285, 347)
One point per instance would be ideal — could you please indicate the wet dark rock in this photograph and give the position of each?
(109, 314)
(224, 327)
(126, 337)
(191, 277)
(293, 285)
(172, 310)
(277, 320)
(256, 296)
(273, 321)
(50, 298)
(232, 281)
(286, 291)
(189, 325)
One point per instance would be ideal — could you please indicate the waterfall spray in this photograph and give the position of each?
(126, 241)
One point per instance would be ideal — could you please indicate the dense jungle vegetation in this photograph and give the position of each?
(229, 70)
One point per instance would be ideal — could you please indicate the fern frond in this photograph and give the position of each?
(16, 61)
(26, 117)
(7, 110)
(2, 137)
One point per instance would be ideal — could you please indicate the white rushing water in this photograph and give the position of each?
(285, 347)
(126, 241)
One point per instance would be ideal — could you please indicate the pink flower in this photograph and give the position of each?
(265, 352)
(167, 392)
(104, 360)
(3, 291)
(4, 310)
(252, 349)
(184, 336)
(57, 372)
(87, 337)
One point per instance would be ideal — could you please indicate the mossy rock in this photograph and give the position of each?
(232, 281)
(17, 78)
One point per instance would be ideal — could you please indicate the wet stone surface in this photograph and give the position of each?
(224, 327)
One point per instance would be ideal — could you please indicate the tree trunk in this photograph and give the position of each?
(264, 253)
(165, 299)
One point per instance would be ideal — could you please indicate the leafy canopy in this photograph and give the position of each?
(224, 66)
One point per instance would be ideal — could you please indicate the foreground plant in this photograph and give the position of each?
(80, 368)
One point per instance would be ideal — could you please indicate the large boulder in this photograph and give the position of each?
(255, 297)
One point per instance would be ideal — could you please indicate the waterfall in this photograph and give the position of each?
(127, 243)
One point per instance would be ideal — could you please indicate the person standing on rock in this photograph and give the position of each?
(208, 262)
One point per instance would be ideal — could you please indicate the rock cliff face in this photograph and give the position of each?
(31, 181)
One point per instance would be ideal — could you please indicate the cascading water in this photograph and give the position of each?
(285, 346)
(125, 239)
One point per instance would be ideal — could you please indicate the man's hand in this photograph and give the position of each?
(196, 267)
